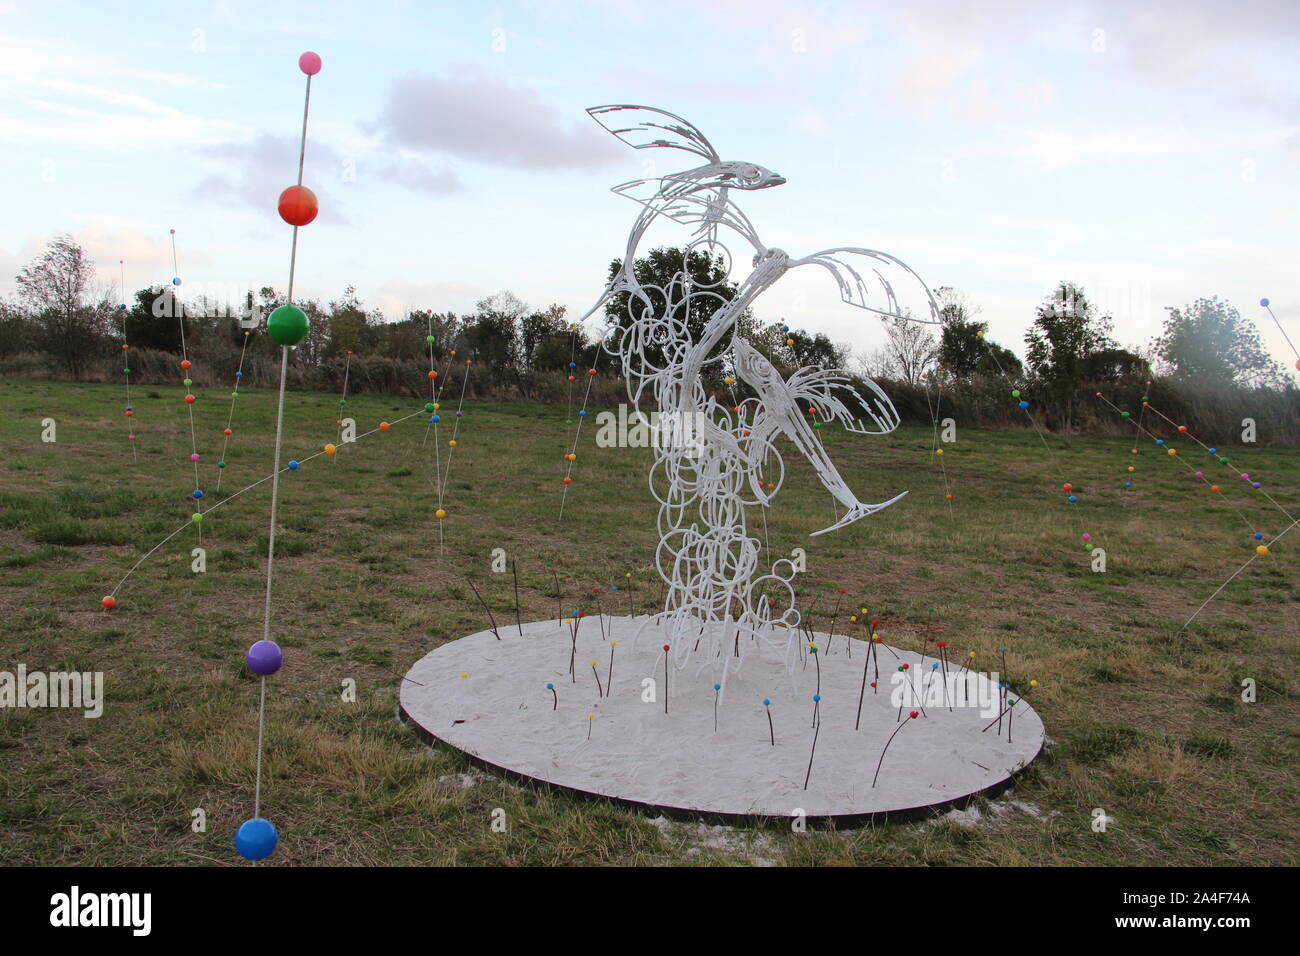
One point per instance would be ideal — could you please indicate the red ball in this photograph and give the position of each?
(189, 399)
(568, 481)
(227, 432)
(185, 363)
(432, 374)
(1068, 487)
(1182, 428)
(591, 371)
(109, 602)
(309, 63)
(914, 715)
(665, 647)
(298, 205)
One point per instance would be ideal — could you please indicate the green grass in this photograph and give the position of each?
(1146, 720)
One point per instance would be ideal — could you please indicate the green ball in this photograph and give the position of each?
(343, 401)
(196, 518)
(430, 339)
(428, 406)
(1015, 393)
(568, 421)
(188, 382)
(287, 325)
(1223, 460)
(234, 394)
(1123, 414)
(1145, 399)
(221, 464)
(126, 371)
(817, 424)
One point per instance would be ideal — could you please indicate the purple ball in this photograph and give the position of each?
(264, 658)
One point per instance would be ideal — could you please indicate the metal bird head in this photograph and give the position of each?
(644, 127)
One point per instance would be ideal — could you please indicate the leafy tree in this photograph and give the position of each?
(1115, 364)
(349, 325)
(538, 327)
(58, 287)
(17, 330)
(657, 272)
(1210, 341)
(961, 343)
(1067, 333)
(154, 320)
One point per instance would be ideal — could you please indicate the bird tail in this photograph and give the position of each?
(859, 510)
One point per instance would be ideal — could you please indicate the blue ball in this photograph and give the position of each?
(176, 281)
(550, 687)
(1213, 451)
(293, 466)
(459, 414)
(1264, 303)
(582, 414)
(256, 839)
(613, 587)
(1128, 484)
(573, 365)
(766, 702)
(817, 698)
(1160, 441)
(239, 375)
(436, 418)
(198, 492)
(717, 687)
(934, 667)
(1259, 536)
(1024, 404)
(1073, 498)
(122, 306)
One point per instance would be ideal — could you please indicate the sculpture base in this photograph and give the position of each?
(488, 698)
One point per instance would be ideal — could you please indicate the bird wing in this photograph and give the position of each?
(644, 127)
(877, 282)
(822, 389)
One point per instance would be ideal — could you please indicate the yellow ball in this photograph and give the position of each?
(863, 611)
(440, 513)
(437, 405)
(452, 443)
(979, 335)
(1262, 550)
(1173, 451)
(789, 341)
(1033, 683)
(464, 675)
(971, 655)
(1131, 468)
(853, 619)
(628, 575)
(613, 643)
(330, 449)
(938, 451)
(593, 663)
(728, 381)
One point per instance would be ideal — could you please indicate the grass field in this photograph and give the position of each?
(1145, 720)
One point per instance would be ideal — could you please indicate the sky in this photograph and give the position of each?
(1148, 151)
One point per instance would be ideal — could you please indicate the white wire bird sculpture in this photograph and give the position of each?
(716, 591)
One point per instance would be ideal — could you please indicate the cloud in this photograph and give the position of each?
(414, 174)
(260, 169)
(471, 114)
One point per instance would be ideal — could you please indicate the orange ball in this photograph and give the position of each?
(185, 363)
(298, 206)
(432, 374)
(949, 497)
(384, 426)
(1214, 488)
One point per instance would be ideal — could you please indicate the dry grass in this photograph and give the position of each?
(1146, 720)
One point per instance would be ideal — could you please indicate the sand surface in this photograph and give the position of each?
(501, 712)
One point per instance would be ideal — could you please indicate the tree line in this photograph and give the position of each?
(63, 324)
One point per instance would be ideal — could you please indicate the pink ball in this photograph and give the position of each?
(1200, 474)
(1245, 477)
(194, 457)
(1087, 537)
(309, 63)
